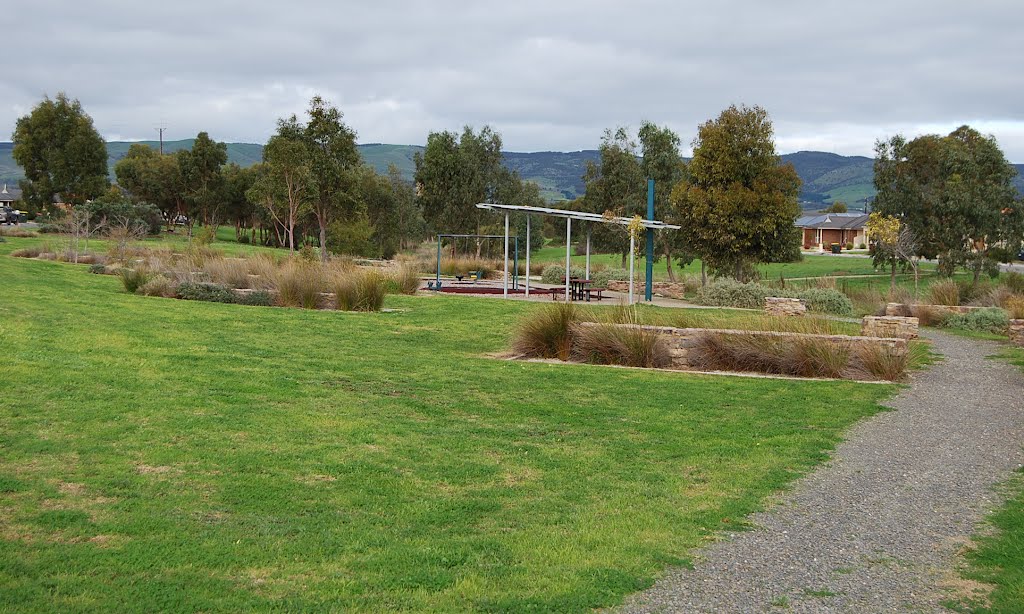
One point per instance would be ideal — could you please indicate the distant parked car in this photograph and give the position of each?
(10, 216)
(1020, 255)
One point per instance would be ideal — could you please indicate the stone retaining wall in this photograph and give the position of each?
(782, 306)
(890, 326)
(901, 309)
(666, 289)
(681, 341)
(1017, 332)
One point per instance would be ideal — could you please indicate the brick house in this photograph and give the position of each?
(822, 229)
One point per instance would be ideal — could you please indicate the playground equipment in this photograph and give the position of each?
(649, 225)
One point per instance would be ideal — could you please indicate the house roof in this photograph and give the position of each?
(9, 194)
(833, 221)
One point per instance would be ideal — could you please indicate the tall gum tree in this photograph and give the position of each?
(61, 153)
(955, 194)
(738, 205)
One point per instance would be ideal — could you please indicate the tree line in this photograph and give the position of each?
(735, 202)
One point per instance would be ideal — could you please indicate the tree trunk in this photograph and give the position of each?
(321, 220)
(892, 278)
(703, 275)
(623, 260)
(668, 266)
(291, 231)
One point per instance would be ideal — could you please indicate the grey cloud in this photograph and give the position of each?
(546, 74)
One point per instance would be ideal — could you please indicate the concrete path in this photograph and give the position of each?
(878, 528)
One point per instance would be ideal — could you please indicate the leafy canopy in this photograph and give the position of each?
(61, 152)
(954, 193)
(738, 205)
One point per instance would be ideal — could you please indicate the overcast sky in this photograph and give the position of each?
(547, 74)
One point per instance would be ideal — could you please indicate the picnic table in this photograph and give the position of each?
(579, 289)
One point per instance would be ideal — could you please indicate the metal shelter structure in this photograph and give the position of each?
(515, 272)
(650, 225)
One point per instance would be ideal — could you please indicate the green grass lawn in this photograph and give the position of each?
(809, 266)
(164, 455)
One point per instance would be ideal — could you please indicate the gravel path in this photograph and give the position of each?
(877, 529)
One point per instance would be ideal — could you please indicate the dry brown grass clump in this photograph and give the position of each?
(159, 285)
(462, 266)
(230, 272)
(867, 300)
(17, 233)
(882, 362)
(945, 292)
(1014, 306)
(630, 345)
(547, 332)
(299, 284)
(805, 357)
(404, 280)
(33, 251)
(929, 315)
(360, 290)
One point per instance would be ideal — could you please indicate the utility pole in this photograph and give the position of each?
(161, 131)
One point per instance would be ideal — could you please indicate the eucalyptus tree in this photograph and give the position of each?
(738, 205)
(61, 153)
(955, 193)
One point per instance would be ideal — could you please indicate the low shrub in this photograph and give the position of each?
(827, 301)
(617, 344)
(133, 279)
(555, 273)
(361, 290)
(602, 277)
(28, 252)
(731, 293)
(547, 332)
(990, 320)
(258, 298)
(98, 268)
(159, 285)
(945, 292)
(308, 254)
(206, 291)
(206, 235)
(49, 228)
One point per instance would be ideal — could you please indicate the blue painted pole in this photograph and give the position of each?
(648, 286)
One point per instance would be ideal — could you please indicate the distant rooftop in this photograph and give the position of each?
(833, 221)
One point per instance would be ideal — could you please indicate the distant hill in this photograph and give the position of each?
(827, 177)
